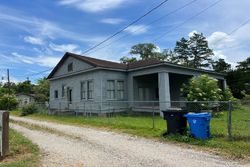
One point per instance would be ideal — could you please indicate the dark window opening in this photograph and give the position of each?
(70, 67)
(56, 94)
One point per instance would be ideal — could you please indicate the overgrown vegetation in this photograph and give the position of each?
(142, 126)
(23, 153)
(8, 102)
(29, 109)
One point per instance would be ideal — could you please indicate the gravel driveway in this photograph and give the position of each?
(94, 147)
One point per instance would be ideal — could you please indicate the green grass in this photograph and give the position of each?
(23, 153)
(142, 126)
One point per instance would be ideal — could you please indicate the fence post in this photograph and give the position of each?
(153, 115)
(229, 126)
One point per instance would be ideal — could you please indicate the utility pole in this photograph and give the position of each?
(8, 78)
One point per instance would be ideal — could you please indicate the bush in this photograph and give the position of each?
(8, 102)
(29, 109)
(202, 88)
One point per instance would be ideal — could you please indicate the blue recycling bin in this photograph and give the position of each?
(199, 124)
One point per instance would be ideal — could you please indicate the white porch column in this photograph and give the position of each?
(164, 90)
(224, 84)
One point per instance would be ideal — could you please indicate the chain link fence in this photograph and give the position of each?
(229, 120)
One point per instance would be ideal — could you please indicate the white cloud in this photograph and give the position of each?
(219, 40)
(63, 48)
(192, 33)
(34, 40)
(111, 21)
(45, 61)
(137, 29)
(93, 5)
(43, 28)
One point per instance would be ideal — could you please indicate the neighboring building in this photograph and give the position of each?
(25, 99)
(80, 83)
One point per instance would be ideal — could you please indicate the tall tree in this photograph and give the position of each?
(244, 65)
(146, 51)
(169, 56)
(221, 66)
(194, 52)
(201, 53)
(183, 52)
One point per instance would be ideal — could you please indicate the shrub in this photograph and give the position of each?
(202, 88)
(227, 95)
(29, 109)
(8, 102)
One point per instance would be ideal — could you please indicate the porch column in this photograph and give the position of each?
(224, 84)
(164, 90)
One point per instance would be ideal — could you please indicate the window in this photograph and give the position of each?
(63, 90)
(56, 94)
(111, 89)
(70, 67)
(120, 89)
(90, 88)
(83, 90)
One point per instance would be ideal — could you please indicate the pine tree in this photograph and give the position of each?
(183, 52)
(221, 66)
(201, 53)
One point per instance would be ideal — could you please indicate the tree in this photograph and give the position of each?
(126, 60)
(221, 66)
(183, 52)
(42, 90)
(201, 53)
(169, 56)
(25, 87)
(194, 52)
(146, 51)
(244, 65)
(239, 79)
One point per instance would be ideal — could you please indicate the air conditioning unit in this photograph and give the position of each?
(4, 133)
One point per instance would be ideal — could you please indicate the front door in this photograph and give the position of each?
(69, 95)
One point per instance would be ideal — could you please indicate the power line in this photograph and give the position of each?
(150, 23)
(33, 74)
(133, 22)
(190, 18)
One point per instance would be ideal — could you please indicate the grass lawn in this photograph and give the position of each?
(142, 126)
(23, 153)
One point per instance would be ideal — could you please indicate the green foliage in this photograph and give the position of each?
(8, 102)
(126, 60)
(25, 87)
(239, 79)
(194, 52)
(221, 66)
(227, 95)
(202, 88)
(147, 51)
(42, 90)
(29, 109)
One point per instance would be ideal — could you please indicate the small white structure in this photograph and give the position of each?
(25, 99)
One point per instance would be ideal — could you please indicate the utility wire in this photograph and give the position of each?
(120, 31)
(187, 20)
(150, 23)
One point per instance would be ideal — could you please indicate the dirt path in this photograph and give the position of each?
(78, 146)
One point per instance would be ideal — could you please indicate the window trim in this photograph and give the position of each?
(83, 88)
(111, 90)
(88, 90)
(121, 90)
(63, 90)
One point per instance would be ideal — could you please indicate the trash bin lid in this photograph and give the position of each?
(200, 115)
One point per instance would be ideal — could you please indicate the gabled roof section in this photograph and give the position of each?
(92, 61)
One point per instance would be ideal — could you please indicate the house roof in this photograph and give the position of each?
(121, 66)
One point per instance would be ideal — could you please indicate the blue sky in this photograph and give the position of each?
(34, 35)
